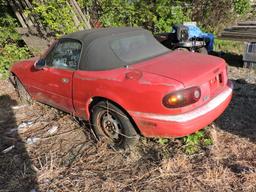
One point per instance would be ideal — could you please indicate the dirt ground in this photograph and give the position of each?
(43, 149)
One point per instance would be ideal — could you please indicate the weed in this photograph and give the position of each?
(163, 141)
(194, 142)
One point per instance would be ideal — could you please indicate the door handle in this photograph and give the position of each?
(65, 80)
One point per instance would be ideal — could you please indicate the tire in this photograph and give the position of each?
(22, 92)
(112, 125)
(203, 50)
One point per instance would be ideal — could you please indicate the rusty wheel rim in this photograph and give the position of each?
(110, 126)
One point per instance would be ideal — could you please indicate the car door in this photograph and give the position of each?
(54, 83)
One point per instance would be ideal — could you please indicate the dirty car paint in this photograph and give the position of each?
(138, 89)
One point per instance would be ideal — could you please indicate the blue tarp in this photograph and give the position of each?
(194, 31)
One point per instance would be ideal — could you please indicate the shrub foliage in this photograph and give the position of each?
(10, 51)
(155, 15)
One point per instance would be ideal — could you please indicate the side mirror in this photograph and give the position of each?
(40, 64)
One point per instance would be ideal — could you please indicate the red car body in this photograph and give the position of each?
(138, 89)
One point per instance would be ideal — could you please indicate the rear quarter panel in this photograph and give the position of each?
(144, 94)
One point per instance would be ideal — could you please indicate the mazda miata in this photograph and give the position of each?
(126, 84)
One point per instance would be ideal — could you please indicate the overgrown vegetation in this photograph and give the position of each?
(57, 15)
(157, 16)
(160, 15)
(9, 54)
(214, 15)
(10, 50)
(64, 160)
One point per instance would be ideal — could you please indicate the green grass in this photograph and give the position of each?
(229, 46)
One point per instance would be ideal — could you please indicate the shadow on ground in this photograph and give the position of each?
(240, 117)
(16, 173)
(232, 59)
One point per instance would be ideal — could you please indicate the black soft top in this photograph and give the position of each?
(97, 53)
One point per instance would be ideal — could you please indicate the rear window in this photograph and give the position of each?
(137, 48)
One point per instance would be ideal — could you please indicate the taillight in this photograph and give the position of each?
(182, 98)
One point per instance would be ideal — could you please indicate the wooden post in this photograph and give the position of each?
(75, 18)
(18, 15)
(21, 10)
(78, 9)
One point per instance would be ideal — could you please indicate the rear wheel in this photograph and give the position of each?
(113, 126)
(22, 92)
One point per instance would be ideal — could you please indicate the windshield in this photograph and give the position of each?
(136, 48)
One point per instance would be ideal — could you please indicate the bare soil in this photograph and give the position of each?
(44, 149)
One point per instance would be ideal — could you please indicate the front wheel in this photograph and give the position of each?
(113, 126)
(22, 92)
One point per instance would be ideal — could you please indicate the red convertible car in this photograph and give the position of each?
(126, 84)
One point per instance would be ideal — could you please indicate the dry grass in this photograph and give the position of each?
(70, 160)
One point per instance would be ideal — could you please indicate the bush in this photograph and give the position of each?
(214, 15)
(10, 54)
(57, 15)
(242, 7)
(9, 38)
(7, 26)
(157, 16)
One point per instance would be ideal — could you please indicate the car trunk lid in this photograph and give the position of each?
(191, 69)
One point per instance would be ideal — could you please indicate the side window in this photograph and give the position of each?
(65, 55)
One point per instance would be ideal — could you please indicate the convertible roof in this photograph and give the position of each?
(96, 50)
(92, 34)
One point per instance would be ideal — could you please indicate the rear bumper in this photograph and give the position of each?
(156, 125)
